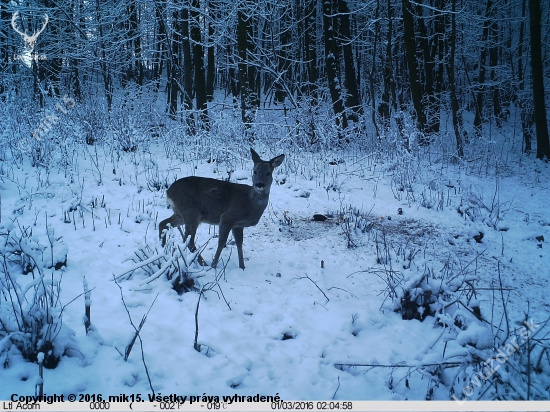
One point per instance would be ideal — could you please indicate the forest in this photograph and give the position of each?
(376, 63)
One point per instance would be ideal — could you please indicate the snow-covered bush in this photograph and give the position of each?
(30, 309)
(130, 120)
(475, 208)
(173, 264)
(23, 249)
(90, 121)
(498, 363)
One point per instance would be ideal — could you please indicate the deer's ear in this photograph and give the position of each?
(276, 161)
(255, 156)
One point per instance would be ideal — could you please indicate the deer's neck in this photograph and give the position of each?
(259, 199)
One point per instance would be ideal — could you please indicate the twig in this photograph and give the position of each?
(401, 365)
(219, 276)
(343, 290)
(196, 345)
(71, 301)
(312, 281)
(503, 304)
(208, 286)
(161, 271)
(139, 265)
(87, 304)
(338, 387)
(129, 347)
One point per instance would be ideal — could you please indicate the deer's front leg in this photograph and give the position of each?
(238, 235)
(224, 234)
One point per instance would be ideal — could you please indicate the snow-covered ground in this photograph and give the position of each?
(307, 306)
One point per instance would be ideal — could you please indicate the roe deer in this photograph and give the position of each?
(232, 206)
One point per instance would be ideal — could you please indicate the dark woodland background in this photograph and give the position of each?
(372, 61)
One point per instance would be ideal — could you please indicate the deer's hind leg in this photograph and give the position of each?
(191, 226)
(174, 221)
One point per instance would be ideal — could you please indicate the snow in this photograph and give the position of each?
(476, 335)
(289, 323)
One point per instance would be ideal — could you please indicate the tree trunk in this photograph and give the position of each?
(174, 66)
(75, 86)
(253, 72)
(136, 39)
(352, 101)
(161, 41)
(198, 61)
(525, 114)
(233, 75)
(53, 41)
(331, 52)
(107, 80)
(493, 62)
(371, 74)
(430, 94)
(543, 144)
(283, 64)
(384, 106)
(457, 118)
(244, 79)
(310, 45)
(211, 72)
(414, 80)
(437, 55)
(187, 61)
(482, 68)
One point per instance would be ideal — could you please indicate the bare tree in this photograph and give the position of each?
(543, 144)
(457, 117)
(198, 61)
(331, 63)
(414, 79)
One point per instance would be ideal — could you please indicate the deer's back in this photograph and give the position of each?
(212, 198)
